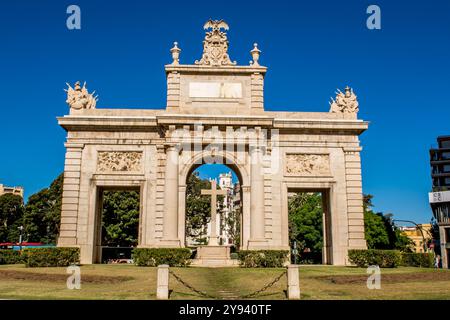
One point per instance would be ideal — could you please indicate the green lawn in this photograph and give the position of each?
(131, 282)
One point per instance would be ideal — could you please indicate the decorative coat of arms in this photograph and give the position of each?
(215, 45)
(345, 102)
(79, 98)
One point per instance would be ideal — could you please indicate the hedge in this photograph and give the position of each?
(8, 256)
(152, 257)
(425, 260)
(51, 257)
(381, 258)
(263, 258)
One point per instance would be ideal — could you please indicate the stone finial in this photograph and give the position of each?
(215, 45)
(346, 103)
(255, 54)
(175, 53)
(79, 98)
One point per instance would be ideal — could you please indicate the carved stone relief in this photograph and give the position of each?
(307, 164)
(119, 161)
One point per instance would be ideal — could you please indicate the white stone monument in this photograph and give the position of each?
(215, 113)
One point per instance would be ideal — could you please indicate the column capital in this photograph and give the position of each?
(256, 148)
(172, 147)
(74, 145)
(352, 149)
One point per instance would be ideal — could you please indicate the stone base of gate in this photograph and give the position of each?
(213, 256)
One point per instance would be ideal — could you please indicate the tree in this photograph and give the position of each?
(375, 229)
(305, 221)
(198, 208)
(120, 218)
(232, 223)
(11, 214)
(380, 231)
(42, 215)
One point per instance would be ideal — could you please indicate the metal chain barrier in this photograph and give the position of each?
(206, 295)
(267, 286)
(201, 293)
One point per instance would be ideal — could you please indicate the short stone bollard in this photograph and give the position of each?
(293, 282)
(162, 286)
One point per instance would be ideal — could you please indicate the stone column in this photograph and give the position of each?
(245, 219)
(257, 221)
(162, 286)
(293, 282)
(170, 228)
(443, 240)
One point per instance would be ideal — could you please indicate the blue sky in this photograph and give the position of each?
(400, 74)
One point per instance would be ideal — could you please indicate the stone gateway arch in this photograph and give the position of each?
(214, 114)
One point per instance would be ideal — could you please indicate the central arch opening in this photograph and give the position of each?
(228, 219)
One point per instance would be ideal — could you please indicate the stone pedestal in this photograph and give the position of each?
(214, 256)
(213, 253)
(293, 282)
(162, 287)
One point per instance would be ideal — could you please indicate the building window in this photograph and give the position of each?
(445, 155)
(447, 168)
(445, 144)
(436, 182)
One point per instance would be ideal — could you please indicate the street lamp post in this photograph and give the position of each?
(418, 227)
(20, 237)
(295, 252)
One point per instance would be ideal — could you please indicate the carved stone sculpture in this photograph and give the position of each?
(79, 98)
(307, 164)
(345, 102)
(119, 161)
(215, 45)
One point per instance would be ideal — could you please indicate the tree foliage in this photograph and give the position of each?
(198, 208)
(42, 215)
(305, 221)
(381, 232)
(120, 218)
(233, 225)
(11, 214)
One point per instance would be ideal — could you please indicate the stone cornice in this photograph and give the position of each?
(150, 123)
(107, 123)
(244, 120)
(199, 69)
(321, 125)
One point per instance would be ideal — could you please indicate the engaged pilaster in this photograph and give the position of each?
(354, 199)
(170, 228)
(70, 197)
(257, 221)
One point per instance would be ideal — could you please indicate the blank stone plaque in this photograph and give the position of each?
(225, 90)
